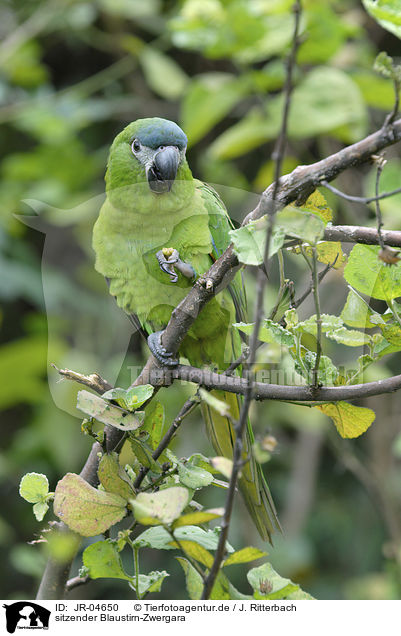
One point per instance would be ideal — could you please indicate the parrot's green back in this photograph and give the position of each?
(133, 225)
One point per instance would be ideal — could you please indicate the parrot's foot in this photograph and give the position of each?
(169, 260)
(155, 345)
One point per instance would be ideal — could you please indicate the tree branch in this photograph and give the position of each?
(264, 391)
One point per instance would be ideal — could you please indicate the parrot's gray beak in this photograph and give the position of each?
(163, 170)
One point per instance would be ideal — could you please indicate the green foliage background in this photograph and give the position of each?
(72, 74)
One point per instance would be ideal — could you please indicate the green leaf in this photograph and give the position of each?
(196, 518)
(327, 100)
(162, 73)
(193, 579)
(269, 332)
(154, 422)
(267, 584)
(324, 101)
(193, 476)
(149, 583)
(387, 13)
(349, 337)
(40, 509)
(159, 539)
(300, 595)
(357, 313)
(113, 477)
(300, 223)
(291, 318)
(144, 455)
(34, 487)
(160, 507)
(372, 277)
(328, 323)
(327, 372)
(107, 413)
(85, 509)
(103, 561)
(244, 556)
(218, 405)
(249, 241)
(251, 131)
(392, 334)
(209, 98)
(22, 366)
(197, 459)
(351, 421)
(384, 64)
(130, 399)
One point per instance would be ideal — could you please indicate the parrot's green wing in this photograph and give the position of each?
(220, 224)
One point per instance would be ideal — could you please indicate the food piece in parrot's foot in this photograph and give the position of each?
(155, 345)
(169, 260)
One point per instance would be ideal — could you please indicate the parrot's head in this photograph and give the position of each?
(150, 151)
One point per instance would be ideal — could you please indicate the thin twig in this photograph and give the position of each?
(269, 207)
(315, 292)
(186, 409)
(381, 162)
(366, 200)
(93, 381)
(298, 301)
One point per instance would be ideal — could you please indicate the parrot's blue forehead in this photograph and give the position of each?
(161, 132)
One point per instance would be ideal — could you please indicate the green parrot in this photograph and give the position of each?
(158, 230)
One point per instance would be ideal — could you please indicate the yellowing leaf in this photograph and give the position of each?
(317, 204)
(327, 252)
(85, 509)
(195, 551)
(244, 556)
(196, 518)
(113, 477)
(350, 421)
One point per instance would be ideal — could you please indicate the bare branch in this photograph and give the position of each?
(366, 200)
(265, 391)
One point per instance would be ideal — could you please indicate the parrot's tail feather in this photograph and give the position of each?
(252, 483)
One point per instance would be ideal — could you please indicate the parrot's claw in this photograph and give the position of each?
(169, 260)
(166, 358)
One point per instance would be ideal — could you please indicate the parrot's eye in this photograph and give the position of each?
(136, 146)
